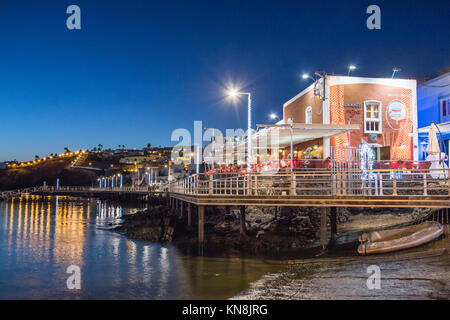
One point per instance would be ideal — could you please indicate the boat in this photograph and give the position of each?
(399, 239)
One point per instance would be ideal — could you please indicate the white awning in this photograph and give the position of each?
(443, 128)
(302, 132)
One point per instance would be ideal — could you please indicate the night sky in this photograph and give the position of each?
(137, 70)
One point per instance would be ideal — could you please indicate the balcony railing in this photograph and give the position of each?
(380, 182)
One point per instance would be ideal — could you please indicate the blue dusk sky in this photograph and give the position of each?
(137, 70)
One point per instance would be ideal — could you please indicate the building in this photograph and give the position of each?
(376, 111)
(3, 165)
(433, 105)
(137, 159)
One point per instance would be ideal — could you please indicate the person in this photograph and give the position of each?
(327, 163)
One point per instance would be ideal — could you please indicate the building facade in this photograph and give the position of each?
(433, 105)
(384, 109)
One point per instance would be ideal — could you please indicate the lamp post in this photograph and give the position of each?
(233, 94)
(394, 71)
(350, 68)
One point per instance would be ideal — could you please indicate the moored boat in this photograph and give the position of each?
(399, 239)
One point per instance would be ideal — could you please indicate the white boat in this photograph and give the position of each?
(399, 239)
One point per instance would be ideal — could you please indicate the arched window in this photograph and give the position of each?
(308, 115)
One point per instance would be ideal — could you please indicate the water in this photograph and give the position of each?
(41, 237)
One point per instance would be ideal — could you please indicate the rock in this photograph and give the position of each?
(260, 233)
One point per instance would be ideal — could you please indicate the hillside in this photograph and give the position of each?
(49, 171)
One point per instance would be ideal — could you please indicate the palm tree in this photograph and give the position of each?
(100, 147)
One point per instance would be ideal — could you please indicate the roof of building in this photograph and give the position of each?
(342, 80)
(440, 81)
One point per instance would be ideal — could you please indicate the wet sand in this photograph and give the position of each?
(419, 273)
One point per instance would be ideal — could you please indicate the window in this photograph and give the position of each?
(445, 109)
(372, 117)
(308, 115)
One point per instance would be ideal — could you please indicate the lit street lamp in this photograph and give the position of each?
(351, 68)
(233, 93)
(274, 116)
(307, 76)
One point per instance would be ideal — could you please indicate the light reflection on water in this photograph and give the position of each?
(41, 237)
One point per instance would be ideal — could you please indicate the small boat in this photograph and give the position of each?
(399, 239)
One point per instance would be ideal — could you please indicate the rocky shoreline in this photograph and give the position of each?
(269, 229)
(344, 277)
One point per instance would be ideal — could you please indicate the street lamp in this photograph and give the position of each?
(394, 71)
(233, 93)
(307, 76)
(350, 68)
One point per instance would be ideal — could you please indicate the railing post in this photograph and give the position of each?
(210, 184)
(196, 185)
(425, 185)
(255, 187)
(380, 175)
(376, 184)
(394, 186)
(249, 186)
(448, 182)
(344, 185)
(293, 185)
(338, 183)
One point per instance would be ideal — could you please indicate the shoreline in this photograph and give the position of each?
(401, 273)
(286, 235)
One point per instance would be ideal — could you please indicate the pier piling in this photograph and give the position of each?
(333, 224)
(189, 214)
(323, 228)
(201, 224)
(243, 229)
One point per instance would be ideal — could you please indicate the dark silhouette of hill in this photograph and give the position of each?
(49, 171)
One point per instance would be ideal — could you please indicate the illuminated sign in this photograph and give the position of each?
(397, 110)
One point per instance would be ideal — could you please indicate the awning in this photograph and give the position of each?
(302, 132)
(444, 129)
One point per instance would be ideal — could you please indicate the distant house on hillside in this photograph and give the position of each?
(136, 159)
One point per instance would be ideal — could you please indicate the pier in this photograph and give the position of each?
(327, 189)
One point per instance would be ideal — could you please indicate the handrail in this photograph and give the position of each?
(332, 183)
(376, 182)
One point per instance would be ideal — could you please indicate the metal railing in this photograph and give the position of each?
(50, 189)
(381, 182)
